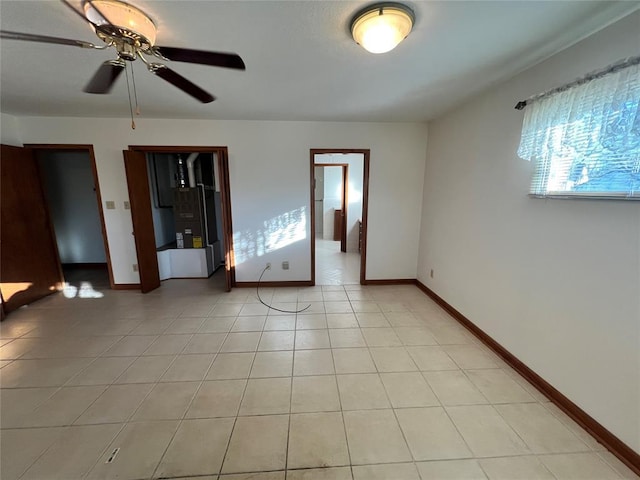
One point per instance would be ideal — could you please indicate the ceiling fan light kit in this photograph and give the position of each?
(379, 28)
(123, 19)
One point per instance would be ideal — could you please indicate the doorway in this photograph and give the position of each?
(339, 195)
(331, 193)
(181, 212)
(72, 198)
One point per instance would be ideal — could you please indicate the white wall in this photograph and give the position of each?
(9, 130)
(556, 282)
(354, 193)
(332, 199)
(68, 182)
(270, 181)
(319, 199)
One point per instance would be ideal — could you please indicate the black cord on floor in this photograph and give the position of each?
(274, 308)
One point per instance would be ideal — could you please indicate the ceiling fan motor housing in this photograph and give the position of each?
(126, 50)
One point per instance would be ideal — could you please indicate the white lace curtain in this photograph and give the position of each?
(586, 140)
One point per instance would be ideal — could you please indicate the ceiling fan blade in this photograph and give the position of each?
(203, 57)
(29, 37)
(180, 82)
(105, 77)
(77, 12)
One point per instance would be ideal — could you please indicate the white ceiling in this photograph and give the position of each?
(301, 61)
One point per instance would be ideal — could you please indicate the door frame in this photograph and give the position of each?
(344, 200)
(61, 147)
(222, 155)
(366, 154)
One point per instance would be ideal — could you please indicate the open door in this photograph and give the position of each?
(141, 209)
(225, 191)
(29, 265)
(135, 164)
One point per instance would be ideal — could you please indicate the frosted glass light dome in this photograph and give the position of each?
(380, 28)
(122, 15)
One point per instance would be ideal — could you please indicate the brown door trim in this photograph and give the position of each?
(366, 153)
(96, 185)
(222, 155)
(345, 203)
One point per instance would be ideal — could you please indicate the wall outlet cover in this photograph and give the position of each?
(111, 205)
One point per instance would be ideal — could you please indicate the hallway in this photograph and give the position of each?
(334, 267)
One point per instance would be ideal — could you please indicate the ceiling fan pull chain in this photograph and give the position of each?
(133, 123)
(135, 90)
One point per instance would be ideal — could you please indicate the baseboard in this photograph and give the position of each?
(396, 281)
(125, 286)
(627, 455)
(308, 283)
(294, 283)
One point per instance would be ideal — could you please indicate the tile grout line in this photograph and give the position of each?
(235, 420)
(157, 382)
(58, 389)
(293, 355)
(128, 420)
(195, 394)
(105, 449)
(400, 425)
(123, 424)
(589, 450)
(344, 423)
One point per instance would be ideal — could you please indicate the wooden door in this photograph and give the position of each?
(135, 164)
(225, 196)
(29, 263)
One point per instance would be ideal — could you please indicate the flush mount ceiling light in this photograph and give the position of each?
(379, 28)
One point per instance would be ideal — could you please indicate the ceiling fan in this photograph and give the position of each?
(132, 34)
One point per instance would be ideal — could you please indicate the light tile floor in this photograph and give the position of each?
(334, 267)
(191, 382)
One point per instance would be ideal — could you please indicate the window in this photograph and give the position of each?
(585, 139)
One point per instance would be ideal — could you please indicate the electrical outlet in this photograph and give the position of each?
(111, 205)
(431, 273)
(135, 267)
(285, 265)
(127, 206)
(268, 266)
